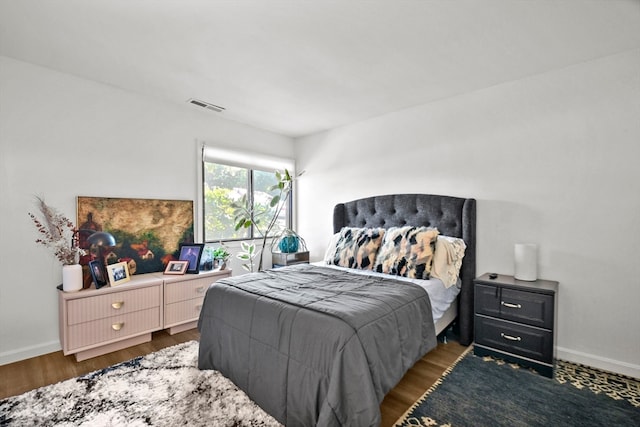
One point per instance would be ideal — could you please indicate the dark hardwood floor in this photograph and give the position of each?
(25, 375)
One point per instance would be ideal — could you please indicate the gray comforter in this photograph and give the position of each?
(313, 345)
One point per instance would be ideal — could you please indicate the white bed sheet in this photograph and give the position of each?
(440, 296)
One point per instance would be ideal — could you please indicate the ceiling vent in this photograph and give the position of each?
(206, 105)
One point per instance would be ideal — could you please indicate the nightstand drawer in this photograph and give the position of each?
(487, 300)
(522, 340)
(531, 308)
(527, 307)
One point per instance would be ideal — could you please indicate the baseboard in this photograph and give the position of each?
(29, 352)
(598, 362)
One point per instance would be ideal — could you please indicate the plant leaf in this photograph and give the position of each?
(275, 200)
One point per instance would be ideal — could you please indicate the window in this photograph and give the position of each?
(227, 180)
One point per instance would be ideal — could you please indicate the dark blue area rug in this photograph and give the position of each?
(480, 392)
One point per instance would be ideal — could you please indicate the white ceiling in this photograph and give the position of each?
(298, 67)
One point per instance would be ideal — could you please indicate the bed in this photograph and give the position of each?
(314, 345)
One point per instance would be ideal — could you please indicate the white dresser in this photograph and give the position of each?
(97, 321)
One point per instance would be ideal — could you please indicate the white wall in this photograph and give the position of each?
(61, 137)
(551, 159)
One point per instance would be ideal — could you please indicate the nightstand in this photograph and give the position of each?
(515, 320)
(281, 259)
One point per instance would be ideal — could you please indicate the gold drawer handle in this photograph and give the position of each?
(200, 289)
(117, 326)
(509, 337)
(508, 304)
(117, 305)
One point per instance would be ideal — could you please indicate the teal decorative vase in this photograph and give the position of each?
(288, 244)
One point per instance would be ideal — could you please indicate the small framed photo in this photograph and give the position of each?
(191, 252)
(97, 273)
(176, 267)
(118, 273)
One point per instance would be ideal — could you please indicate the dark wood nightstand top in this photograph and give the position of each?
(510, 281)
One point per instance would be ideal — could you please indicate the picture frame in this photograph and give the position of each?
(191, 252)
(97, 273)
(176, 267)
(118, 273)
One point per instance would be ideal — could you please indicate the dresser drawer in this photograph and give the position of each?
(531, 308)
(83, 310)
(186, 290)
(522, 340)
(113, 328)
(182, 311)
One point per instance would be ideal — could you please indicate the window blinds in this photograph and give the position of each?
(246, 159)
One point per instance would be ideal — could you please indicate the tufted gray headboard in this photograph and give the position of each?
(452, 216)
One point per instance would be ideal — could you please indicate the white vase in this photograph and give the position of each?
(71, 278)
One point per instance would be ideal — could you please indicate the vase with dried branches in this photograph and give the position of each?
(58, 233)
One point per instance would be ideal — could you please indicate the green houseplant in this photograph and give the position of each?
(262, 219)
(220, 256)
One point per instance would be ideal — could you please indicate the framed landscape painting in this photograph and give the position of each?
(148, 232)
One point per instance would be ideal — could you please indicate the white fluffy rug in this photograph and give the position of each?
(161, 389)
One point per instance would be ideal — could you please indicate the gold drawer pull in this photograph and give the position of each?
(509, 337)
(508, 304)
(117, 305)
(117, 326)
(200, 289)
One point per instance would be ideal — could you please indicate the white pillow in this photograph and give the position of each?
(331, 248)
(447, 259)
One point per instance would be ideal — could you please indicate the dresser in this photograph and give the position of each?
(98, 321)
(515, 320)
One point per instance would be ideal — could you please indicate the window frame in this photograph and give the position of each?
(258, 166)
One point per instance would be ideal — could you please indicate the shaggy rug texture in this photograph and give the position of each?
(161, 389)
(478, 392)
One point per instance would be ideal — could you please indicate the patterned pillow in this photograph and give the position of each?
(447, 259)
(407, 251)
(357, 247)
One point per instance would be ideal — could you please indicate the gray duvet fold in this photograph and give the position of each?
(313, 345)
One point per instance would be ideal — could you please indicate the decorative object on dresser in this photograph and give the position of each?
(176, 267)
(98, 321)
(516, 320)
(220, 256)
(98, 273)
(98, 242)
(57, 232)
(148, 231)
(118, 273)
(191, 252)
